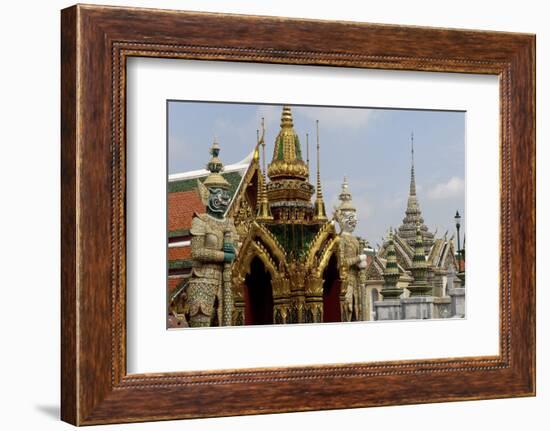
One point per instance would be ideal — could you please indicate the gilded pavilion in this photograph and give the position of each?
(287, 264)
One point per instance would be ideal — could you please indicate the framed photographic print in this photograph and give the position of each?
(283, 207)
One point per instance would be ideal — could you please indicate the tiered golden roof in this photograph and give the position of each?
(287, 171)
(287, 155)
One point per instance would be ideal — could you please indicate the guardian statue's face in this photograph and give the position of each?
(218, 201)
(347, 220)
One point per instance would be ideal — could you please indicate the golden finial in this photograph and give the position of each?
(286, 117)
(263, 211)
(256, 156)
(320, 213)
(287, 153)
(262, 142)
(307, 154)
(288, 188)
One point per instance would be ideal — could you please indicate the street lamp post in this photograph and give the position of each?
(460, 274)
(457, 224)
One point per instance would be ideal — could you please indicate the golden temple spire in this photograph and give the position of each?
(307, 154)
(256, 156)
(320, 213)
(287, 159)
(288, 190)
(286, 117)
(263, 146)
(263, 209)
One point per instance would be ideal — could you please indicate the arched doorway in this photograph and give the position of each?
(258, 295)
(331, 292)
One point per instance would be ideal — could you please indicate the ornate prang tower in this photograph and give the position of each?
(413, 215)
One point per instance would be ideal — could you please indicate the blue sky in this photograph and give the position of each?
(369, 146)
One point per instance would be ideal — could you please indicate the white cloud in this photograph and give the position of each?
(328, 117)
(339, 117)
(452, 188)
(271, 115)
(396, 202)
(364, 208)
(178, 148)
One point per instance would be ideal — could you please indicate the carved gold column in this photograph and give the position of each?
(281, 300)
(314, 299)
(297, 292)
(238, 317)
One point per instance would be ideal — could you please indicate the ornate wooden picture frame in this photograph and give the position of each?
(96, 42)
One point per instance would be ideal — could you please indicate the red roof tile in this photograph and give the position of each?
(173, 283)
(181, 207)
(178, 253)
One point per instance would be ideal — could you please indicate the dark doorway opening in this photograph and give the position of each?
(258, 295)
(331, 292)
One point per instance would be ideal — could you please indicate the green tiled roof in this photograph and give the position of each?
(180, 264)
(179, 232)
(234, 179)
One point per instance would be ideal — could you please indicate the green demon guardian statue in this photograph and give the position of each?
(213, 249)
